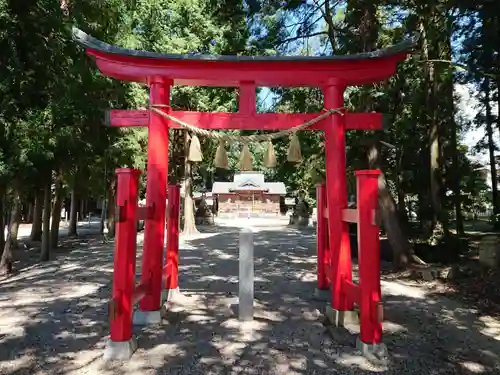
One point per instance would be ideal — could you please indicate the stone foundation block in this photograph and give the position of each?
(375, 353)
(339, 318)
(119, 350)
(145, 318)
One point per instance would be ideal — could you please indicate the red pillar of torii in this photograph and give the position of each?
(333, 74)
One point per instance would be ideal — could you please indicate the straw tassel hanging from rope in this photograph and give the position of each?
(195, 154)
(220, 160)
(246, 158)
(294, 153)
(270, 156)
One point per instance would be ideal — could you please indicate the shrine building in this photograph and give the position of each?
(248, 194)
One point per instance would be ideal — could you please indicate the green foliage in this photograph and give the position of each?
(355, 26)
(53, 98)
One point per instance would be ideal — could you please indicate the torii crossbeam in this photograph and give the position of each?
(332, 74)
(240, 121)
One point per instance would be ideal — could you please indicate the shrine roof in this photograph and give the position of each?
(230, 70)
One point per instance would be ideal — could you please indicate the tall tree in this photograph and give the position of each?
(481, 49)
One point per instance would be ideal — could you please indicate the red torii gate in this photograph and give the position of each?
(333, 74)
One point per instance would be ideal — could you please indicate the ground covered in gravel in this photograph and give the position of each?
(53, 318)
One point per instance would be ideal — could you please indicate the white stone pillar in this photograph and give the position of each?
(246, 275)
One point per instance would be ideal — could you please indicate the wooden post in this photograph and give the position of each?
(124, 257)
(369, 257)
(245, 282)
(336, 180)
(174, 199)
(322, 237)
(156, 195)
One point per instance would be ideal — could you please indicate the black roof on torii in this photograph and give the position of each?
(98, 45)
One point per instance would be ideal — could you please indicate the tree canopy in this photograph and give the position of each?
(53, 142)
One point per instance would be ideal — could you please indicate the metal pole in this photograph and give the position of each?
(246, 272)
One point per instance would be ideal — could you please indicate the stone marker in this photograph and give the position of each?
(489, 251)
(245, 282)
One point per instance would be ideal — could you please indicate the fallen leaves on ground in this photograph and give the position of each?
(477, 286)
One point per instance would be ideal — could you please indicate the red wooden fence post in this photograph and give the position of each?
(120, 308)
(321, 242)
(156, 195)
(369, 258)
(172, 264)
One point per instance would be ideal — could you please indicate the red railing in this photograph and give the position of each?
(334, 271)
(125, 293)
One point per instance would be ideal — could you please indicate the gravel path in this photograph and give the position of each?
(53, 318)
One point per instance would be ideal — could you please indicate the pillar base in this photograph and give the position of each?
(376, 353)
(340, 318)
(119, 350)
(170, 294)
(322, 294)
(145, 318)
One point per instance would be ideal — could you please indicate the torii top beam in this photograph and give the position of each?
(232, 70)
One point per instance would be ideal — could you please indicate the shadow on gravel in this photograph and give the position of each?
(441, 332)
(54, 319)
(50, 312)
(289, 338)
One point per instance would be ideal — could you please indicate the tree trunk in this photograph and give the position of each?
(82, 209)
(177, 165)
(439, 227)
(421, 209)
(24, 212)
(401, 247)
(6, 263)
(449, 126)
(104, 210)
(15, 228)
(73, 217)
(29, 215)
(327, 15)
(5, 218)
(2, 221)
(401, 206)
(47, 208)
(491, 152)
(498, 92)
(399, 187)
(56, 214)
(435, 180)
(457, 195)
(361, 15)
(189, 228)
(104, 204)
(36, 227)
(111, 208)
(496, 56)
(5, 213)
